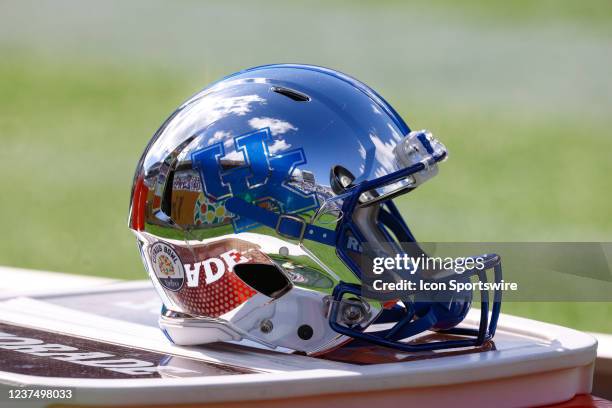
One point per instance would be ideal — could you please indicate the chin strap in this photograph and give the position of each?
(288, 225)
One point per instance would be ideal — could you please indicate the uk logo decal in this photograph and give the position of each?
(257, 177)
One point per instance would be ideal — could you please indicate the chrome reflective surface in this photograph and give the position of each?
(283, 141)
(300, 106)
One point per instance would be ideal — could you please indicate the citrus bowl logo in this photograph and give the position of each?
(167, 266)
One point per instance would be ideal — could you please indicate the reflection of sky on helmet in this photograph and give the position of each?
(192, 117)
(340, 125)
(276, 126)
(219, 136)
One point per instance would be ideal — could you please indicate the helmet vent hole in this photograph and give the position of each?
(264, 278)
(290, 93)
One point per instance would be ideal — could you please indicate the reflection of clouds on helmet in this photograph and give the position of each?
(235, 155)
(362, 151)
(218, 136)
(276, 126)
(384, 154)
(394, 133)
(279, 146)
(208, 110)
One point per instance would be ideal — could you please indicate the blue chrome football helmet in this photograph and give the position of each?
(258, 200)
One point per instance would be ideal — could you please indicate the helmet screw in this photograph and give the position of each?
(353, 313)
(305, 332)
(266, 326)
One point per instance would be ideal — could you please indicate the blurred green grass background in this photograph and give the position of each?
(520, 92)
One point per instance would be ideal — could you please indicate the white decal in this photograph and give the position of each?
(213, 268)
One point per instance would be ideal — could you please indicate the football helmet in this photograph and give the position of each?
(260, 202)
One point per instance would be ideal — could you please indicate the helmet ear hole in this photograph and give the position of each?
(266, 279)
(340, 179)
